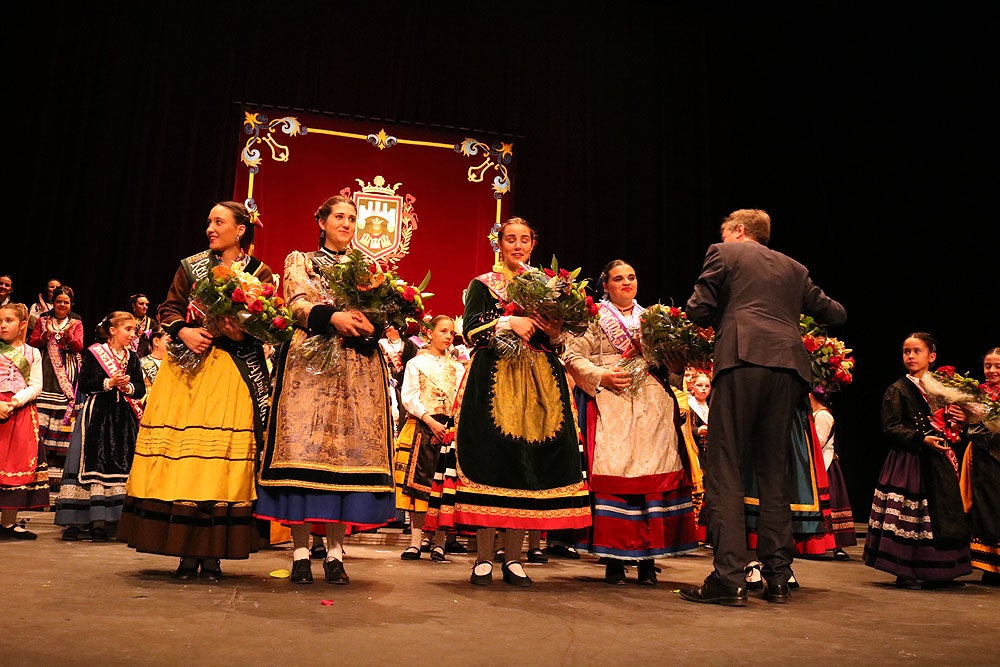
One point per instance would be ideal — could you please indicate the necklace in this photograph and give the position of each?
(120, 358)
(58, 326)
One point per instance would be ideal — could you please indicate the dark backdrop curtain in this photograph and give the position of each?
(866, 133)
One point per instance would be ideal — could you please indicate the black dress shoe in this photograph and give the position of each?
(714, 591)
(99, 534)
(437, 554)
(909, 584)
(513, 579)
(481, 579)
(779, 593)
(411, 553)
(560, 551)
(335, 572)
(187, 570)
(536, 556)
(16, 532)
(647, 572)
(499, 556)
(75, 534)
(318, 552)
(302, 572)
(614, 572)
(455, 548)
(211, 570)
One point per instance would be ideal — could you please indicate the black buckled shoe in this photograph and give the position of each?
(98, 534)
(318, 552)
(779, 593)
(437, 554)
(302, 572)
(335, 572)
(713, 591)
(75, 534)
(481, 579)
(211, 570)
(187, 570)
(647, 572)
(455, 547)
(16, 532)
(514, 579)
(410, 553)
(614, 572)
(537, 556)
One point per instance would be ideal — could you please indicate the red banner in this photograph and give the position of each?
(428, 199)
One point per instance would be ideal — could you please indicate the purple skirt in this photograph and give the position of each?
(900, 534)
(840, 507)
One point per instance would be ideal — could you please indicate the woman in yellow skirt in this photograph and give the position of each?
(191, 490)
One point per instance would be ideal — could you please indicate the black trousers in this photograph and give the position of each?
(751, 420)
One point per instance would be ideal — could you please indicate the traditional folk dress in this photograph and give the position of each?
(841, 516)
(24, 481)
(981, 492)
(61, 342)
(103, 444)
(430, 385)
(516, 460)
(150, 367)
(917, 528)
(638, 465)
(812, 524)
(329, 442)
(191, 489)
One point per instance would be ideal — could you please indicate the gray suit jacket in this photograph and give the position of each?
(753, 296)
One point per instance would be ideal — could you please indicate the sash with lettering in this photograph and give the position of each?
(110, 365)
(16, 358)
(616, 331)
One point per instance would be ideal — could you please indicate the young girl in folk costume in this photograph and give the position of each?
(842, 519)
(430, 385)
(981, 480)
(639, 471)
(516, 460)
(158, 339)
(917, 528)
(191, 489)
(103, 443)
(24, 482)
(58, 333)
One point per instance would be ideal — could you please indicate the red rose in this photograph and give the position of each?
(279, 322)
(412, 327)
(589, 301)
(549, 272)
(811, 343)
(946, 371)
(256, 307)
(594, 309)
(563, 273)
(239, 296)
(675, 312)
(267, 290)
(409, 293)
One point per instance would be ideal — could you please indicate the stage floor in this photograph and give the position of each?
(103, 604)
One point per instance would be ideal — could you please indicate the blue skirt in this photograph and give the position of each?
(290, 506)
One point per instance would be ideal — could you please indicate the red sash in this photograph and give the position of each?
(110, 365)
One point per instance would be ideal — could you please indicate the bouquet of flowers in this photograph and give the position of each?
(551, 292)
(665, 330)
(979, 401)
(832, 367)
(241, 299)
(379, 294)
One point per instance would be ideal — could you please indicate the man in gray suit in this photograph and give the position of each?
(753, 296)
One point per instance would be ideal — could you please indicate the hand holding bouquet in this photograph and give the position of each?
(226, 302)
(379, 294)
(832, 367)
(979, 401)
(551, 293)
(665, 331)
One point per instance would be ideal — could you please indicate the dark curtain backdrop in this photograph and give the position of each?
(868, 134)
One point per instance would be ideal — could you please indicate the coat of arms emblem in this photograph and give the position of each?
(385, 221)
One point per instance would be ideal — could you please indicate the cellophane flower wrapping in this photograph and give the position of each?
(638, 369)
(239, 298)
(979, 401)
(554, 293)
(831, 360)
(666, 330)
(378, 292)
